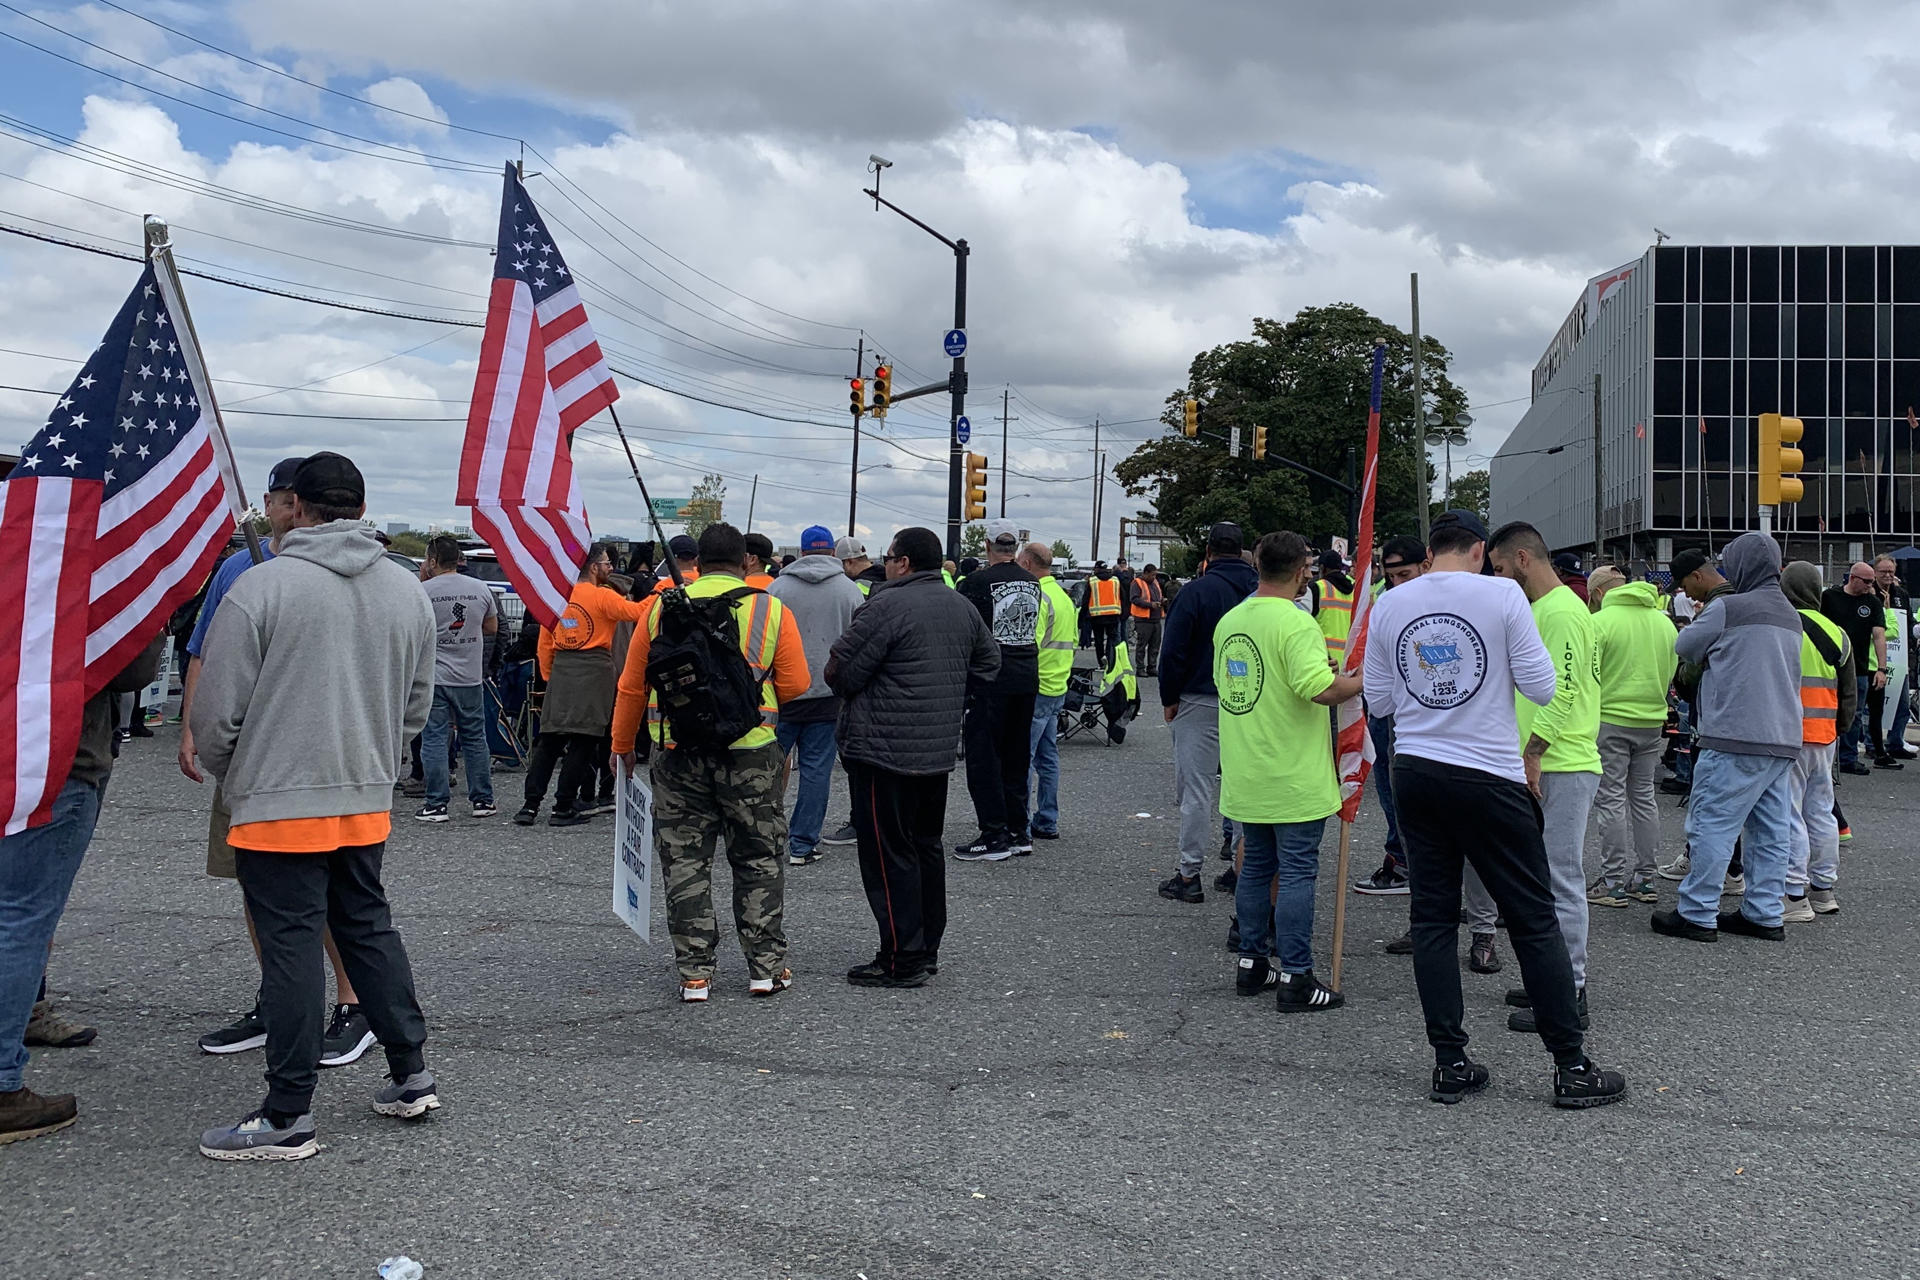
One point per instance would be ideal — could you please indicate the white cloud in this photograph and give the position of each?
(397, 93)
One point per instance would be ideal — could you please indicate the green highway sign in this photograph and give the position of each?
(671, 508)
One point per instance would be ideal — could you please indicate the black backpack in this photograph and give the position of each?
(707, 691)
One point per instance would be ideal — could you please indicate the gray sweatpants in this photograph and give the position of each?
(1196, 778)
(1566, 800)
(1629, 813)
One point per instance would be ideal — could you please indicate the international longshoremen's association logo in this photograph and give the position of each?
(1243, 674)
(1442, 659)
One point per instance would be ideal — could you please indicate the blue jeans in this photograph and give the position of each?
(1854, 734)
(816, 777)
(1043, 744)
(1902, 712)
(1380, 729)
(1732, 795)
(37, 867)
(462, 707)
(1290, 852)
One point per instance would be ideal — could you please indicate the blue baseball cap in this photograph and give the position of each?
(816, 539)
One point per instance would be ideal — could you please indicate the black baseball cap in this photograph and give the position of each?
(1225, 538)
(683, 547)
(1567, 562)
(1332, 560)
(1689, 560)
(1457, 519)
(280, 479)
(330, 480)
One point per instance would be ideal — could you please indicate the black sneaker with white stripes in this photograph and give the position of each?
(1254, 975)
(1302, 992)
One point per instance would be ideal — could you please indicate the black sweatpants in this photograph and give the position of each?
(576, 773)
(292, 898)
(1451, 816)
(1106, 634)
(999, 752)
(897, 822)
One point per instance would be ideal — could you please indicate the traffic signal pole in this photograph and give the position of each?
(853, 482)
(957, 380)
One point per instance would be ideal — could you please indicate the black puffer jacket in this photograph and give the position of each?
(902, 668)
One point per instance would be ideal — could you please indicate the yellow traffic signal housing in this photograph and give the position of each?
(1259, 444)
(1191, 425)
(857, 396)
(976, 489)
(882, 389)
(1779, 462)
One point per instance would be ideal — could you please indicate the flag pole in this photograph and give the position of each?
(159, 249)
(673, 566)
(1340, 901)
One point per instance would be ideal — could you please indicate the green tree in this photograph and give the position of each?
(1306, 381)
(410, 542)
(1471, 492)
(973, 541)
(1063, 553)
(706, 505)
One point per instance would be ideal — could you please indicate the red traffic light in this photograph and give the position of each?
(882, 371)
(855, 383)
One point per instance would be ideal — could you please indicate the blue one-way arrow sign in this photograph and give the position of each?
(962, 430)
(955, 343)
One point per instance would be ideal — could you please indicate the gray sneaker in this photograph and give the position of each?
(408, 1098)
(255, 1138)
(1677, 869)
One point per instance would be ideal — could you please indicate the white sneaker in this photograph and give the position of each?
(1733, 887)
(772, 986)
(1797, 911)
(695, 991)
(1823, 901)
(1677, 869)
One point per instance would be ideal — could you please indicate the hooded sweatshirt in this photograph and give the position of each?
(318, 670)
(1748, 646)
(1635, 641)
(821, 598)
(1800, 583)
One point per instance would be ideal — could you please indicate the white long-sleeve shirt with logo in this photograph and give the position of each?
(1444, 654)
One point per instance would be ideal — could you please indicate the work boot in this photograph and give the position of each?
(25, 1114)
(48, 1028)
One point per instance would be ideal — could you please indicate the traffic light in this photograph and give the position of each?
(1259, 444)
(857, 396)
(882, 389)
(976, 490)
(1191, 427)
(1779, 461)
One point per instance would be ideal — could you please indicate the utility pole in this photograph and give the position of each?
(1421, 489)
(1099, 475)
(853, 483)
(1004, 420)
(754, 497)
(1599, 542)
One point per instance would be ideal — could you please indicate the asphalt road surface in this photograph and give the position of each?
(1079, 1092)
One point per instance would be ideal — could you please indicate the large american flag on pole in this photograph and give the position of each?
(110, 521)
(1355, 743)
(541, 375)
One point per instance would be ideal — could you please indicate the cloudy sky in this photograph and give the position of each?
(1137, 181)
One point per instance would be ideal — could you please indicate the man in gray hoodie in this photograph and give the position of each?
(1747, 646)
(822, 598)
(318, 670)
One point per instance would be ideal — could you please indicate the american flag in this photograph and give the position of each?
(1355, 743)
(111, 520)
(541, 375)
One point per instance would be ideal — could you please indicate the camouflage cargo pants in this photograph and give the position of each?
(697, 799)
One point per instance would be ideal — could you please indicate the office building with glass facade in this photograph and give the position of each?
(1690, 345)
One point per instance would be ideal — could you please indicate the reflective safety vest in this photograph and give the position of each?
(1120, 672)
(759, 617)
(948, 579)
(1058, 635)
(1103, 597)
(1819, 684)
(1336, 617)
(1146, 598)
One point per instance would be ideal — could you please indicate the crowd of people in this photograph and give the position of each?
(1508, 698)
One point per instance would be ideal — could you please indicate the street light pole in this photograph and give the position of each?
(957, 380)
(853, 485)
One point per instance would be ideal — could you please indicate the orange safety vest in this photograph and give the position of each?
(1150, 605)
(1819, 686)
(1103, 597)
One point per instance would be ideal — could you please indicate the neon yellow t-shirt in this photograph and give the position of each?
(1570, 722)
(1276, 744)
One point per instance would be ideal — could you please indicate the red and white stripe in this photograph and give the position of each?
(541, 375)
(43, 632)
(1353, 743)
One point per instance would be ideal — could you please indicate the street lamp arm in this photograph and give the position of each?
(880, 199)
